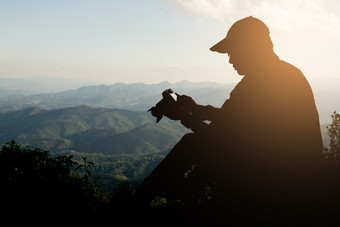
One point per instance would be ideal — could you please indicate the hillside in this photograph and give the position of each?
(89, 130)
(123, 144)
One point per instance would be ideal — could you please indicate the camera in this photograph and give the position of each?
(168, 101)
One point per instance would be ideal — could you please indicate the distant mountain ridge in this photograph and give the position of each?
(139, 96)
(42, 84)
(135, 96)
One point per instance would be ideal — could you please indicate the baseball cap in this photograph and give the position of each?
(245, 33)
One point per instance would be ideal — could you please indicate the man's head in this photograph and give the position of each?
(248, 45)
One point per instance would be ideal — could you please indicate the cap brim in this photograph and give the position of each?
(220, 47)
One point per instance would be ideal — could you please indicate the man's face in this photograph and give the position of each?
(243, 63)
(238, 64)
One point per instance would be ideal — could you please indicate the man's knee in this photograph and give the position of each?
(188, 136)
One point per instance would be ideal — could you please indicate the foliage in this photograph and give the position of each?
(122, 194)
(333, 131)
(110, 170)
(158, 202)
(34, 181)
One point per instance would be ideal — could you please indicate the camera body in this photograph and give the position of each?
(168, 101)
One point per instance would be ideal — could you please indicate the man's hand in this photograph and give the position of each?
(180, 109)
(174, 112)
(187, 103)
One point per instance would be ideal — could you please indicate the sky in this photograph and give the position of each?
(150, 41)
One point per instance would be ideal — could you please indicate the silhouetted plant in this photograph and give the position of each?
(333, 130)
(86, 166)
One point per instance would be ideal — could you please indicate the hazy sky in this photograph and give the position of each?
(155, 40)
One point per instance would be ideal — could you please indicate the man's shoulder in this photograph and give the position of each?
(292, 79)
(286, 67)
(288, 73)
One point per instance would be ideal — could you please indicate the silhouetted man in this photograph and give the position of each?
(262, 151)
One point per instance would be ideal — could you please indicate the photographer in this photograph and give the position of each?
(263, 147)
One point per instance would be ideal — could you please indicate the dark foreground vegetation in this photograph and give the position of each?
(36, 185)
(34, 181)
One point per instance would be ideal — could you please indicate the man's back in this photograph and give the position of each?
(273, 107)
(270, 135)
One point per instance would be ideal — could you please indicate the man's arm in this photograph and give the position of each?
(191, 114)
(196, 125)
(208, 112)
(199, 112)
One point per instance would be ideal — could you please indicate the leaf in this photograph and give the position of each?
(91, 163)
(78, 167)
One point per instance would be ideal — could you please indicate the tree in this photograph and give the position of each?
(333, 131)
(122, 194)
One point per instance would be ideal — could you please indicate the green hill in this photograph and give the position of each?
(123, 144)
(89, 130)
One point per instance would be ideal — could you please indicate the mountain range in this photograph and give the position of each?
(42, 84)
(139, 97)
(136, 96)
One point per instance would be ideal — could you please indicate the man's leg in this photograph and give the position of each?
(169, 178)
